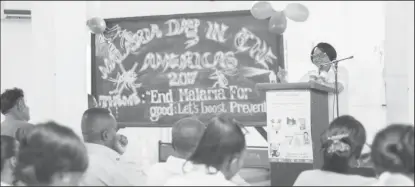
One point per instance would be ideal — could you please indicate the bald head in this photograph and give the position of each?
(98, 125)
(186, 134)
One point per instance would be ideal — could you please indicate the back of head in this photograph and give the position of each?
(223, 139)
(9, 149)
(186, 134)
(393, 149)
(341, 142)
(48, 153)
(94, 122)
(11, 98)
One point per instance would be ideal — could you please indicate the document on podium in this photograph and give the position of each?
(289, 126)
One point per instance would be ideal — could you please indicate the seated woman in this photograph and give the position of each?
(51, 155)
(9, 147)
(393, 155)
(217, 158)
(342, 144)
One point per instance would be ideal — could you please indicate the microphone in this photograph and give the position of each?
(336, 61)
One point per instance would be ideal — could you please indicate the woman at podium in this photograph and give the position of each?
(321, 56)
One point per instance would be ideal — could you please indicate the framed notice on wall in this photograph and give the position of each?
(289, 127)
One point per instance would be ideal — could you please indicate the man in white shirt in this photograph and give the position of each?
(324, 53)
(105, 147)
(186, 134)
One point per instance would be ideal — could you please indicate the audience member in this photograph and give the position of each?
(105, 147)
(217, 157)
(9, 147)
(51, 155)
(393, 155)
(342, 144)
(16, 112)
(186, 134)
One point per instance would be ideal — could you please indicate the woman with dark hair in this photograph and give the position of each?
(217, 158)
(9, 147)
(51, 155)
(342, 144)
(322, 54)
(393, 155)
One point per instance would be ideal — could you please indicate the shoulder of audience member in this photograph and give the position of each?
(305, 176)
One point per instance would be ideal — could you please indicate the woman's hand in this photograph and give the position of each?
(313, 77)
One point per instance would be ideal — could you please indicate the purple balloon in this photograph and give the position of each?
(296, 12)
(277, 23)
(262, 10)
(96, 25)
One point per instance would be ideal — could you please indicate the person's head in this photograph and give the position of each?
(323, 53)
(342, 143)
(9, 147)
(13, 103)
(51, 155)
(186, 134)
(99, 126)
(221, 147)
(393, 149)
(92, 102)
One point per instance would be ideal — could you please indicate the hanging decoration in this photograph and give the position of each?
(296, 12)
(262, 10)
(278, 19)
(96, 25)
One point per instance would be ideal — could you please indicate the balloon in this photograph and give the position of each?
(296, 12)
(262, 10)
(96, 25)
(277, 23)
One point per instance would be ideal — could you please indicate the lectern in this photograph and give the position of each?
(297, 114)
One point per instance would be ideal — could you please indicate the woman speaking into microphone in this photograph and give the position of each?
(321, 56)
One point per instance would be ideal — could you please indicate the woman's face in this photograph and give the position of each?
(319, 57)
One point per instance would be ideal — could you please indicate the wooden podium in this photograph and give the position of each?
(314, 101)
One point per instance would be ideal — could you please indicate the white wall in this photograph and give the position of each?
(399, 54)
(16, 61)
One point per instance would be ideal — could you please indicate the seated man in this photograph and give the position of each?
(186, 134)
(16, 113)
(105, 147)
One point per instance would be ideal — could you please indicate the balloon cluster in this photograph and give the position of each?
(96, 25)
(278, 19)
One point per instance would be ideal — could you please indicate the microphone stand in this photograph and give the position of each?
(336, 81)
(336, 88)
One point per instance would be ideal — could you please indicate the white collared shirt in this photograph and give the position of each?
(393, 179)
(106, 168)
(199, 176)
(326, 178)
(160, 173)
(342, 78)
(4, 184)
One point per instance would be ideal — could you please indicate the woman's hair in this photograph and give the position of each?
(9, 149)
(342, 141)
(223, 137)
(393, 149)
(325, 48)
(49, 148)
